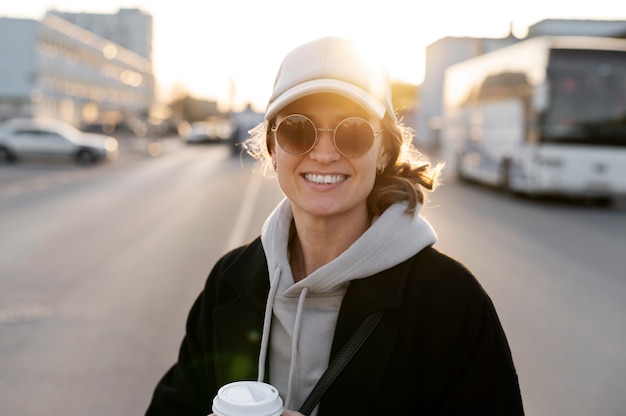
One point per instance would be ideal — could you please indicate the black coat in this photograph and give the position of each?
(439, 348)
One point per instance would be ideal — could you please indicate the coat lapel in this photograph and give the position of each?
(239, 321)
(356, 386)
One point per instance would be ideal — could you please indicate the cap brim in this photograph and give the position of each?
(356, 94)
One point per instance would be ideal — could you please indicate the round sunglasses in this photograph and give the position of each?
(353, 137)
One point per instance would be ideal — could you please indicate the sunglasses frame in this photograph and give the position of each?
(374, 134)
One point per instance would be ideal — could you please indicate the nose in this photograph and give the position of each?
(324, 149)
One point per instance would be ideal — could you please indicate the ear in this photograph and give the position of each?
(384, 156)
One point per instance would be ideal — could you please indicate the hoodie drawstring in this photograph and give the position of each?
(294, 344)
(267, 322)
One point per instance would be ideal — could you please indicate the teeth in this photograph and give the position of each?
(324, 179)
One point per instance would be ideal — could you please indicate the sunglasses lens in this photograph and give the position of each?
(296, 134)
(354, 137)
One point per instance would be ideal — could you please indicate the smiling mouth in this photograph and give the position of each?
(324, 179)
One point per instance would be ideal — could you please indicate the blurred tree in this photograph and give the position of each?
(404, 96)
(188, 108)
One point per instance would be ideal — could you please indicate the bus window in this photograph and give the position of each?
(588, 98)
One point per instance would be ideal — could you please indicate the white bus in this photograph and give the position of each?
(544, 116)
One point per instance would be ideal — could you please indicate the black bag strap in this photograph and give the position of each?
(340, 361)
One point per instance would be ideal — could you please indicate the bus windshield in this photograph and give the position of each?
(587, 98)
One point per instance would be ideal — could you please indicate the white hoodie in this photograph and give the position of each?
(300, 317)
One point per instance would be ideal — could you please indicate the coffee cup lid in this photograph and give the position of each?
(247, 398)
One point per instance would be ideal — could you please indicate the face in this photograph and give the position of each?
(324, 183)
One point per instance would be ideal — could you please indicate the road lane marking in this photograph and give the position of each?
(17, 311)
(242, 223)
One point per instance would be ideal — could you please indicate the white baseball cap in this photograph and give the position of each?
(333, 65)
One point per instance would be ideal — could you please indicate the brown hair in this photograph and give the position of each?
(408, 173)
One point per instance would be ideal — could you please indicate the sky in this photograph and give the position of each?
(230, 50)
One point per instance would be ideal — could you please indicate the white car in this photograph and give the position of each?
(211, 131)
(53, 139)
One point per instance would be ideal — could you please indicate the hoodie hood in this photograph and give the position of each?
(393, 238)
(298, 358)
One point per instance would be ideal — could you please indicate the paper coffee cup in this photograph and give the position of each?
(247, 398)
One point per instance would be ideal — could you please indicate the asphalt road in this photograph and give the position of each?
(99, 266)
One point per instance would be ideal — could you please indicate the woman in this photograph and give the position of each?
(346, 241)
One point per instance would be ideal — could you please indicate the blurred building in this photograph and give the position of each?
(54, 68)
(129, 28)
(451, 50)
(440, 55)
